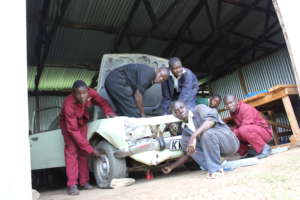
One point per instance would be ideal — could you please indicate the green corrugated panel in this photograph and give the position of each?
(31, 72)
(57, 78)
(62, 78)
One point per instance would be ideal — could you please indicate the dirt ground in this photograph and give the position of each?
(276, 177)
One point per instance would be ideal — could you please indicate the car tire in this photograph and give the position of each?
(108, 166)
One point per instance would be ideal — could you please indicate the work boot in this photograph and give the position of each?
(265, 152)
(73, 190)
(86, 186)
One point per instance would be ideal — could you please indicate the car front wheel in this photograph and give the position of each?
(108, 167)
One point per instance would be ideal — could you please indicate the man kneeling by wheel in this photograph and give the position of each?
(205, 137)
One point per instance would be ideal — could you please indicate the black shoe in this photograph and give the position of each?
(73, 190)
(87, 186)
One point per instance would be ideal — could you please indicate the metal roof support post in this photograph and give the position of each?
(235, 19)
(94, 81)
(242, 79)
(235, 22)
(219, 10)
(156, 25)
(210, 19)
(183, 28)
(243, 5)
(123, 31)
(41, 40)
(150, 11)
(46, 38)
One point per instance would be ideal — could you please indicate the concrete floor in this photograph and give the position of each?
(276, 177)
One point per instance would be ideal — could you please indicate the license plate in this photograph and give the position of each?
(175, 145)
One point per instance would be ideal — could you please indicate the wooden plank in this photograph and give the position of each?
(273, 123)
(282, 145)
(275, 133)
(275, 93)
(292, 118)
(277, 87)
(258, 96)
(267, 99)
(291, 91)
(242, 80)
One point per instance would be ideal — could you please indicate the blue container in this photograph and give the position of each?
(251, 94)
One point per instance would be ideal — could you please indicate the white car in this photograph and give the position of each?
(129, 143)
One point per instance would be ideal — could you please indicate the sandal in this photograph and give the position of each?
(215, 174)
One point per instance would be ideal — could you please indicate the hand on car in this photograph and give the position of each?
(111, 115)
(191, 148)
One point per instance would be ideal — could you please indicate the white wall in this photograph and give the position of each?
(289, 16)
(15, 181)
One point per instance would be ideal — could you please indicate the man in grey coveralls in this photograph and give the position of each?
(205, 137)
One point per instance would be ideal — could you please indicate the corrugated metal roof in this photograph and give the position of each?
(73, 46)
(104, 12)
(79, 46)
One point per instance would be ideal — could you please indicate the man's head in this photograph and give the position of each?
(231, 102)
(176, 67)
(80, 91)
(162, 74)
(180, 110)
(214, 101)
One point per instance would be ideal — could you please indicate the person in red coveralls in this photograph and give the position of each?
(250, 127)
(73, 123)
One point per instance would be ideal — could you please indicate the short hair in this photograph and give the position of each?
(229, 96)
(174, 60)
(216, 96)
(164, 70)
(172, 107)
(79, 84)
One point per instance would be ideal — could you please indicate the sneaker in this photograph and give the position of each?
(73, 190)
(265, 152)
(86, 186)
(216, 174)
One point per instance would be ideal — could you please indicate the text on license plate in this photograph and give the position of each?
(175, 145)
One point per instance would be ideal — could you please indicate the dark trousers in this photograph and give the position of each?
(121, 94)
